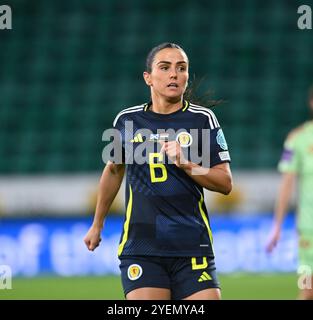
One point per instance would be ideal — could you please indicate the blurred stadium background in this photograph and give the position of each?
(68, 67)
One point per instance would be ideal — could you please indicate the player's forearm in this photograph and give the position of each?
(216, 179)
(284, 196)
(109, 185)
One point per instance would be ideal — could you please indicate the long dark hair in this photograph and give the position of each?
(191, 94)
(204, 99)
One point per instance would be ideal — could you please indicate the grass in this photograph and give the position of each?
(236, 286)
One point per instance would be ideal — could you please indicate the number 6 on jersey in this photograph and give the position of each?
(153, 166)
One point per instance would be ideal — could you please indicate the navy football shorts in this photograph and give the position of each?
(182, 275)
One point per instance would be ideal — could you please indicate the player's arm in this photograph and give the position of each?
(218, 178)
(289, 166)
(109, 185)
(282, 203)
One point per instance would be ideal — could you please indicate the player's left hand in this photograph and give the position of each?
(174, 152)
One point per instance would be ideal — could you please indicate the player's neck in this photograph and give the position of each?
(160, 105)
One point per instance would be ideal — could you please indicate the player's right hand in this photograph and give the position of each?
(93, 238)
(274, 238)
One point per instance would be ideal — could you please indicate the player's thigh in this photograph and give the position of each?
(305, 268)
(306, 287)
(306, 294)
(144, 278)
(207, 294)
(149, 294)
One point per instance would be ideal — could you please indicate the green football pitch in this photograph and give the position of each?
(236, 286)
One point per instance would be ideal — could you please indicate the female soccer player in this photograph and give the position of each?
(166, 247)
(297, 162)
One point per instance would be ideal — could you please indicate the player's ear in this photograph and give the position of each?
(147, 77)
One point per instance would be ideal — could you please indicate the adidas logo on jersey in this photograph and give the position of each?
(204, 277)
(137, 138)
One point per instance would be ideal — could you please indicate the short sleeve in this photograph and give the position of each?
(289, 161)
(218, 147)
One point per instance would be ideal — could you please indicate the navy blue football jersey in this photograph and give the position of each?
(165, 210)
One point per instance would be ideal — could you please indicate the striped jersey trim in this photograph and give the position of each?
(127, 220)
(183, 108)
(211, 116)
(204, 218)
(186, 105)
(128, 110)
(206, 222)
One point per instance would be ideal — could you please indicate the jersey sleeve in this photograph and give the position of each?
(289, 161)
(219, 152)
(219, 148)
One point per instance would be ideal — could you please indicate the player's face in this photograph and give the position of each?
(169, 75)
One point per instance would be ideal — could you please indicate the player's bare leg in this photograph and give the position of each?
(307, 294)
(207, 294)
(149, 294)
